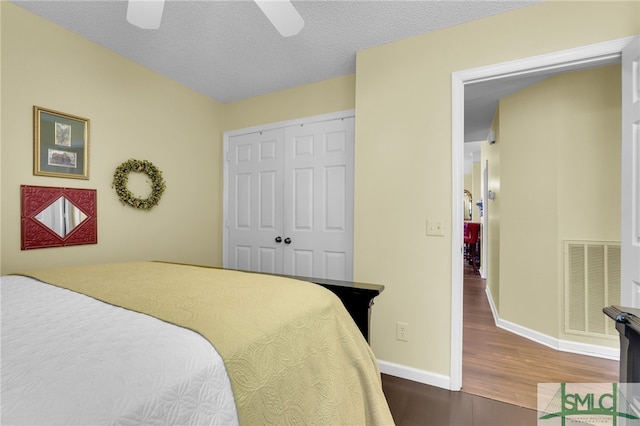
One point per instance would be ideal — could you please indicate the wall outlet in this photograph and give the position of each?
(435, 228)
(402, 331)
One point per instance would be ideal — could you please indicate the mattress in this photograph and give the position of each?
(70, 359)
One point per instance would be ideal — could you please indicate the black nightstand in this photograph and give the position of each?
(356, 297)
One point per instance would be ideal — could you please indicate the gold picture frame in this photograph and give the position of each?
(60, 144)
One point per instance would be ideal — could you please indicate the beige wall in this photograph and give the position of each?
(472, 182)
(477, 189)
(491, 157)
(528, 173)
(560, 150)
(134, 113)
(336, 94)
(468, 182)
(403, 158)
(467, 185)
(589, 157)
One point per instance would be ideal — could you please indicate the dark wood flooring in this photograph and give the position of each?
(417, 404)
(499, 376)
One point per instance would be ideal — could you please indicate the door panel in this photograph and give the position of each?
(268, 261)
(267, 200)
(334, 261)
(630, 223)
(243, 200)
(302, 264)
(242, 256)
(335, 186)
(302, 199)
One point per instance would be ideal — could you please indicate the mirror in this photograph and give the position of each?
(57, 217)
(467, 205)
(62, 216)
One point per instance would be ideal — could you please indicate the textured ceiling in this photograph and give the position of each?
(229, 51)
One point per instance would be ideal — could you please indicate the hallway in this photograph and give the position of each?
(503, 366)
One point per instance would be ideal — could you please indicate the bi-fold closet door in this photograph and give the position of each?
(289, 199)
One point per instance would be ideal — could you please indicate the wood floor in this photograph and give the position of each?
(417, 404)
(499, 375)
(503, 366)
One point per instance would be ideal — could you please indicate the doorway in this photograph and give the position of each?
(570, 60)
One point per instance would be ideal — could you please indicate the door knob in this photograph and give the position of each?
(278, 239)
(287, 240)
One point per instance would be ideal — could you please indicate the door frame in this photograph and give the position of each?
(561, 61)
(630, 232)
(253, 129)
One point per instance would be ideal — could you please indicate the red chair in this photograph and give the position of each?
(471, 238)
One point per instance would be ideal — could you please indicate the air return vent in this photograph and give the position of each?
(592, 281)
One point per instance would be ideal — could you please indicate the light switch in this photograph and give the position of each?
(435, 228)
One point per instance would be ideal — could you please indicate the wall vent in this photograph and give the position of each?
(592, 281)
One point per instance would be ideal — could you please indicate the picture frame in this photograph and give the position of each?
(61, 144)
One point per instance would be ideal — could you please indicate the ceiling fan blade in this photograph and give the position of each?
(145, 14)
(282, 15)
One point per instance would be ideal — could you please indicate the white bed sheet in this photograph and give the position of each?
(70, 359)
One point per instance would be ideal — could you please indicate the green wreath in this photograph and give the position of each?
(121, 178)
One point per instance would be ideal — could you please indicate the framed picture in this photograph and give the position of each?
(60, 144)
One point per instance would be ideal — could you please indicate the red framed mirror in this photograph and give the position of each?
(57, 217)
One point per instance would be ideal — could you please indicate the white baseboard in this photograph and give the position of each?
(414, 374)
(552, 342)
(492, 305)
(591, 350)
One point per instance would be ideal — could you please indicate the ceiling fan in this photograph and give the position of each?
(147, 15)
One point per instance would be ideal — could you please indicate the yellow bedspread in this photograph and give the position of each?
(292, 352)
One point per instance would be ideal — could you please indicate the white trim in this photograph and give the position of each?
(348, 113)
(559, 344)
(225, 198)
(590, 350)
(262, 127)
(492, 305)
(558, 61)
(457, 258)
(552, 342)
(565, 60)
(414, 374)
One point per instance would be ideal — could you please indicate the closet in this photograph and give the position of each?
(289, 198)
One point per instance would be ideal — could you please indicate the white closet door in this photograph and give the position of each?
(318, 199)
(289, 200)
(255, 201)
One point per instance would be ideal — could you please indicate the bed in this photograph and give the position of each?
(161, 343)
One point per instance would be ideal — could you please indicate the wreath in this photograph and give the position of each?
(121, 178)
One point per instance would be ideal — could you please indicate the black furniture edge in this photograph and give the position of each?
(628, 326)
(356, 297)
